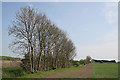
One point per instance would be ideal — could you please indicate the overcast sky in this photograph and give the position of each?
(92, 26)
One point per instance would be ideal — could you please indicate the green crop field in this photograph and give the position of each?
(119, 70)
(105, 70)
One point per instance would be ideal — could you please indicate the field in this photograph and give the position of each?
(119, 70)
(105, 70)
(9, 58)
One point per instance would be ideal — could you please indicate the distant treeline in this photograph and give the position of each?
(104, 61)
(9, 58)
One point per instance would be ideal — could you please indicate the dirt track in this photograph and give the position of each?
(84, 72)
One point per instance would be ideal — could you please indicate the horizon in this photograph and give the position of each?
(73, 59)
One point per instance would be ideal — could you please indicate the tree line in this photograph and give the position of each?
(42, 43)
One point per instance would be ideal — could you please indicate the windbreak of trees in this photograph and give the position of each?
(42, 43)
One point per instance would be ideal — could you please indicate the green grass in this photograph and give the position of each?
(105, 70)
(45, 73)
(119, 70)
(12, 72)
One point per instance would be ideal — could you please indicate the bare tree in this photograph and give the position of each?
(43, 44)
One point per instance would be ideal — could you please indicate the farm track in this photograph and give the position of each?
(84, 72)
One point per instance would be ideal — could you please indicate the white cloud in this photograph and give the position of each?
(110, 12)
(103, 51)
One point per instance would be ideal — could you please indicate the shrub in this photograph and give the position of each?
(75, 63)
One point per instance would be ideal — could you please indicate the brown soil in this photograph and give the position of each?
(84, 72)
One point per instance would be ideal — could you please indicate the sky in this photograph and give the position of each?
(92, 26)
